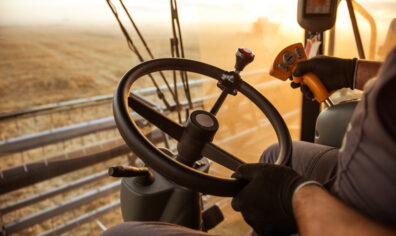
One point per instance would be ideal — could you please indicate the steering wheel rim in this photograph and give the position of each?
(169, 167)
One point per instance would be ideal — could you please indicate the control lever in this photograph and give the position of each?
(243, 57)
(231, 79)
(285, 64)
(145, 177)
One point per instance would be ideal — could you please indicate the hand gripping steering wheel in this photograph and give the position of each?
(194, 139)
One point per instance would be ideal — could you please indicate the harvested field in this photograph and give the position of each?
(48, 64)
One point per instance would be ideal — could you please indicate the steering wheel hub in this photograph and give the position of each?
(200, 129)
(204, 120)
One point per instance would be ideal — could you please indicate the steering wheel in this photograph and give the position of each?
(194, 139)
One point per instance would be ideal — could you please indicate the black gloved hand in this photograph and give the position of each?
(335, 73)
(266, 201)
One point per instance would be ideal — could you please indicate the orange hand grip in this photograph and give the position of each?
(315, 85)
(285, 64)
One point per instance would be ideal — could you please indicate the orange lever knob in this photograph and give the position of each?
(315, 85)
(285, 64)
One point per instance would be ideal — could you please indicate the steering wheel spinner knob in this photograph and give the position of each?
(244, 56)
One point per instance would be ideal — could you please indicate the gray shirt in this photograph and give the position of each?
(366, 178)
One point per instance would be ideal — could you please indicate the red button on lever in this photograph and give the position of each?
(246, 51)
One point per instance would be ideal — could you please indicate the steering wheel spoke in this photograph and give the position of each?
(218, 155)
(173, 129)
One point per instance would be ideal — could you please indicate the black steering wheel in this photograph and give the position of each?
(198, 131)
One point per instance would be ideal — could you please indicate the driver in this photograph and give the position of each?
(330, 191)
(326, 191)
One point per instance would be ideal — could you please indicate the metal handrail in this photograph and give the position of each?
(53, 192)
(48, 213)
(373, 26)
(82, 219)
(47, 137)
(31, 173)
(78, 103)
(17, 177)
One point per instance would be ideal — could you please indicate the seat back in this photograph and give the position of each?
(332, 123)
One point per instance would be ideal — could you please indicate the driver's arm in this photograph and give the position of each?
(319, 213)
(366, 70)
(337, 73)
(276, 200)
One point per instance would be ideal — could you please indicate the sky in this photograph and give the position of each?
(97, 12)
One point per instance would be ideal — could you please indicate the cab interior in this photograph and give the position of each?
(63, 61)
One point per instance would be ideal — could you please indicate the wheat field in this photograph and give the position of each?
(48, 64)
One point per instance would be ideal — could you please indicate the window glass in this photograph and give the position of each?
(265, 27)
(376, 25)
(374, 19)
(57, 51)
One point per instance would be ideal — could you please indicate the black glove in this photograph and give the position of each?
(266, 201)
(335, 73)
